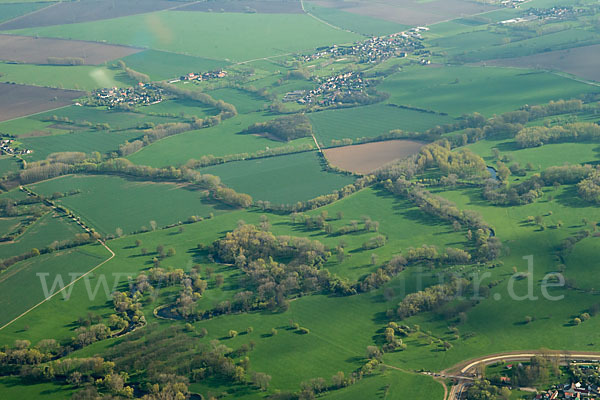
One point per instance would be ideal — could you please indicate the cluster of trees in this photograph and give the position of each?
(539, 135)
(502, 193)
(484, 390)
(267, 281)
(227, 110)
(430, 298)
(232, 198)
(463, 163)
(133, 74)
(536, 372)
(65, 61)
(285, 128)
(589, 188)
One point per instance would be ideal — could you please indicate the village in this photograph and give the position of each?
(201, 76)
(376, 49)
(140, 95)
(7, 146)
(331, 90)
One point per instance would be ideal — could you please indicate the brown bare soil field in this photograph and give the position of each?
(366, 158)
(36, 51)
(21, 100)
(580, 61)
(84, 11)
(246, 6)
(410, 12)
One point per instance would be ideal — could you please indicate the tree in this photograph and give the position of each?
(138, 243)
(261, 380)
(119, 232)
(170, 252)
(219, 280)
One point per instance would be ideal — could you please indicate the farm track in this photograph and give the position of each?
(322, 21)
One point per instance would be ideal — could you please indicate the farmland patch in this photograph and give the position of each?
(20, 100)
(31, 50)
(410, 12)
(281, 180)
(370, 121)
(580, 61)
(366, 158)
(81, 11)
(109, 202)
(247, 6)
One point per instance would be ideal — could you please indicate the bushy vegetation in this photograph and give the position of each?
(286, 128)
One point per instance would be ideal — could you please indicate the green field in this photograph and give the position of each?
(370, 121)
(206, 35)
(49, 228)
(281, 180)
(218, 140)
(487, 90)
(108, 202)
(362, 24)
(81, 77)
(161, 65)
(24, 277)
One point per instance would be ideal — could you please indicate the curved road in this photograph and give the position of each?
(464, 372)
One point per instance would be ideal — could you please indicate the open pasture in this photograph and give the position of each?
(8, 163)
(371, 121)
(80, 11)
(20, 100)
(583, 62)
(207, 35)
(110, 202)
(31, 50)
(161, 65)
(282, 179)
(367, 157)
(219, 140)
(487, 90)
(410, 12)
(246, 6)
